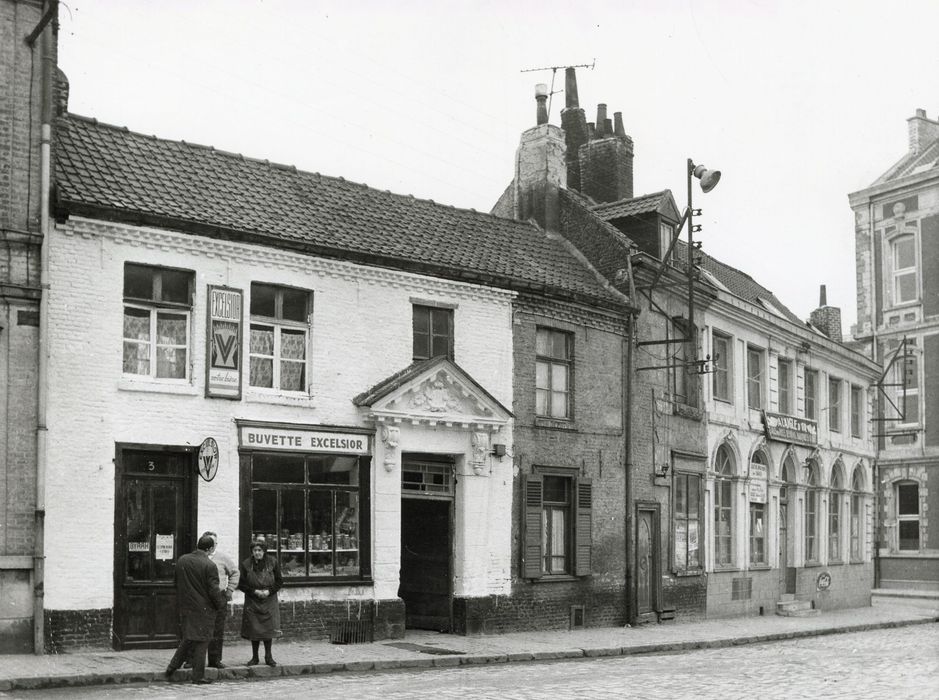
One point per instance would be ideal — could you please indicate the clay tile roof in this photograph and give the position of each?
(644, 204)
(110, 172)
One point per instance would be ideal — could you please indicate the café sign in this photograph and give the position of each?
(783, 428)
(299, 440)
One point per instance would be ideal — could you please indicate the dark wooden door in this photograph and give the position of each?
(153, 527)
(426, 564)
(645, 562)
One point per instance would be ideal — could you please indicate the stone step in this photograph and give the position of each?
(811, 612)
(786, 597)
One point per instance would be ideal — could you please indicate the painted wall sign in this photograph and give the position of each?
(823, 582)
(757, 483)
(801, 431)
(164, 547)
(223, 343)
(297, 440)
(208, 459)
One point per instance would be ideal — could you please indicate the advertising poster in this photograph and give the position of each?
(223, 344)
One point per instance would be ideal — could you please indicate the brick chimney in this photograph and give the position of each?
(574, 123)
(923, 131)
(540, 169)
(826, 318)
(606, 160)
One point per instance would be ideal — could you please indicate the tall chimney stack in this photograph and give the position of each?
(574, 123)
(922, 130)
(826, 318)
(606, 159)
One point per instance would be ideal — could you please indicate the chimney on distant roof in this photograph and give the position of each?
(606, 160)
(576, 129)
(923, 131)
(540, 169)
(826, 318)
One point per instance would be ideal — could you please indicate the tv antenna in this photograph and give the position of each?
(554, 71)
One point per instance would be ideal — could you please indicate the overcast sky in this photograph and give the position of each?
(797, 102)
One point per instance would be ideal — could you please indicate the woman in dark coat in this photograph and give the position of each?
(260, 580)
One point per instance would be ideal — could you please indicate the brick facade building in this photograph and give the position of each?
(27, 74)
(897, 249)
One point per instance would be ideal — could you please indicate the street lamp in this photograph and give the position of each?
(709, 180)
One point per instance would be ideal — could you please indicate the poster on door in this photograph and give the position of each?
(164, 547)
(223, 343)
(758, 475)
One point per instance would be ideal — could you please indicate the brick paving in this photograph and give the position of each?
(102, 667)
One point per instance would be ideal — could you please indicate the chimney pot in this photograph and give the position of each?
(822, 296)
(607, 127)
(570, 89)
(601, 120)
(541, 97)
(920, 112)
(618, 129)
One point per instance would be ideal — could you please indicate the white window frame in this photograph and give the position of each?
(784, 387)
(279, 325)
(835, 403)
(857, 411)
(908, 234)
(909, 517)
(815, 374)
(757, 380)
(723, 366)
(552, 362)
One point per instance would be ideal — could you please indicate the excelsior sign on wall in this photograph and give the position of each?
(223, 378)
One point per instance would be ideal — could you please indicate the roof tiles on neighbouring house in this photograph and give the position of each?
(110, 172)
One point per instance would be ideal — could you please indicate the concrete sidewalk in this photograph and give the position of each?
(429, 649)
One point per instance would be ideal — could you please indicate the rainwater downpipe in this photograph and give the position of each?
(45, 178)
(631, 317)
(879, 405)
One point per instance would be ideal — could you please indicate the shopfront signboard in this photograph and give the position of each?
(800, 431)
(223, 343)
(299, 440)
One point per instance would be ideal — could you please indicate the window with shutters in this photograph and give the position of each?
(157, 308)
(557, 524)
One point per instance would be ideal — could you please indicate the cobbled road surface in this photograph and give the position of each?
(894, 664)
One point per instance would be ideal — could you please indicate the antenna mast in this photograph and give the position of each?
(554, 71)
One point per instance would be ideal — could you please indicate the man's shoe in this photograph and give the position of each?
(218, 665)
(270, 662)
(202, 681)
(253, 661)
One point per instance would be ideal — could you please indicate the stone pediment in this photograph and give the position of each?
(434, 392)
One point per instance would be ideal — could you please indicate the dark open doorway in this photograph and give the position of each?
(427, 545)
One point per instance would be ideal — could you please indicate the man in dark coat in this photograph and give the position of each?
(198, 599)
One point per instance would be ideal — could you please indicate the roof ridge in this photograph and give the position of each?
(293, 168)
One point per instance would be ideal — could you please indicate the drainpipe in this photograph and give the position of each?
(631, 317)
(45, 175)
(879, 404)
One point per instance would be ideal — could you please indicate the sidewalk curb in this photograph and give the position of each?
(320, 667)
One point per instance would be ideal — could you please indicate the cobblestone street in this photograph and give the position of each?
(889, 663)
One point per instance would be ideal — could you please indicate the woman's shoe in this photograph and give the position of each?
(253, 661)
(270, 662)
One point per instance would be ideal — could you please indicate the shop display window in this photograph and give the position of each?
(307, 509)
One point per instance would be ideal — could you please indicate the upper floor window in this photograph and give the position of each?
(903, 257)
(834, 404)
(907, 496)
(724, 507)
(785, 386)
(433, 332)
(906, 390)
(856, 399)
(280, 326)
(755, 378)
(722, 359)
(811, 394)
(554, 367)
(157, 308)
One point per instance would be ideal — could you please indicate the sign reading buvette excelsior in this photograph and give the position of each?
(297, 440)
(801, 431)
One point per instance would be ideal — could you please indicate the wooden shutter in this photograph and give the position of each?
(531, 526)
(583, 526)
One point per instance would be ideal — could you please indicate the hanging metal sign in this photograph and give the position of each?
(223, 343)
(208, 459)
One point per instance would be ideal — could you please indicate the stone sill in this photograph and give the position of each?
(553, 424)
(157, 387)
(279, 398)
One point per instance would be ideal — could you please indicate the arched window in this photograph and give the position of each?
(724, 507)
(834, 513)
(785, 545)
(758, 481)
(811, 514)
(857, 489)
